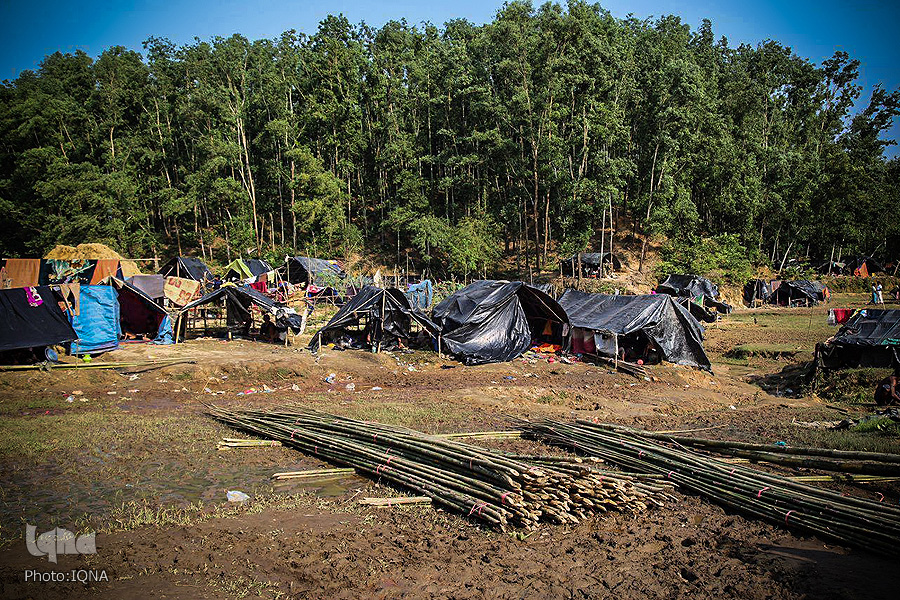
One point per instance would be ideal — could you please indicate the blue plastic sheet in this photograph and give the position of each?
(98, 325)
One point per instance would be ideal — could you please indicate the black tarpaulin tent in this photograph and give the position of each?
(657, 317)
(373, 318)
(304, 269)
(496, 321)
(590, 264)
(802, 292)
(186, 267)
(870, 338)
(758, 289)
(238, 303)
(23, 325)
(694, 286)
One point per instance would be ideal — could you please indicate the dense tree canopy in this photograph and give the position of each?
(455, 143)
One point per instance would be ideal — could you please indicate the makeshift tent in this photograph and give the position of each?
(870, 338)
(303, 269)
(496, 321)
(657, 318)
(186, 267)
(238, 303)
(798, 293)
(590, 264)
(863, 266)
(701, 290)
(32, 323)
(831, 268)
(139, 313)
(98, 322)
(758, 289)
(244, 269)
(374, 318)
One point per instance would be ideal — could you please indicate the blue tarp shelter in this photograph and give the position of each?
(97, 325)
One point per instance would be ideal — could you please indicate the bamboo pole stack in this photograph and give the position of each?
(779, 500)
(492, 487)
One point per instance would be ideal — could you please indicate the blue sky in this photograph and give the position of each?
(29, 30)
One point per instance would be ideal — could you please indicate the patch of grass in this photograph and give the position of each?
(34, 438)
(883, 425)
(851, 386)
(183, 376)
(764, 350)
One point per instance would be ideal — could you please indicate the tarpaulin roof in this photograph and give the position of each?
(297, 269)
(694, 286)
(395, 320)
(494, 321)
(247, 268)
(187, 267)
(26, 326)
(239, 299)
(870, 338)
(671, 327)
(689, 285)
(152, 285)
(97, 323)
(139, 313)
(801, 289)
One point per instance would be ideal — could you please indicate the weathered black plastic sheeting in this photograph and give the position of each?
(239, 299)
(395, 321)
(495, 321)
(789, 292)
(187, 267)
(694, 286)
(678, 335)
(303, 269)
(871, 338)
(26, 326)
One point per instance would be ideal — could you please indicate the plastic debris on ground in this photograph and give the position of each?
(350, 387)
(331, 378)
(236, 496)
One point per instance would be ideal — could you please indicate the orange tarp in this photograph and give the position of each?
(23, 272)
(106, 267)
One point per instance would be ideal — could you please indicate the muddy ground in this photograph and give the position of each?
(132, 456)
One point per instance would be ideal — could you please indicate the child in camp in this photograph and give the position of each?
(267, 330)
(888, 391)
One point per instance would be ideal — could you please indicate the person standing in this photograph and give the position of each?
(879, 295)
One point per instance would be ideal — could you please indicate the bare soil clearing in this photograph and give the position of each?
(135, 457)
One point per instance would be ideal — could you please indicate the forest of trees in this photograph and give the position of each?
(454, 143)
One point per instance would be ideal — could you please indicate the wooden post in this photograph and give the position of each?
(381, 324)
(579, 271)
(616, 360)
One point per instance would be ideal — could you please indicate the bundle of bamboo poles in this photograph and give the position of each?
(825, 459)
(796, 505)
(495, 488)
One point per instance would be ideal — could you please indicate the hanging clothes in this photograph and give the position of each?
(23, 272)
(71, 293)
(106, 267)
(34, 298)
